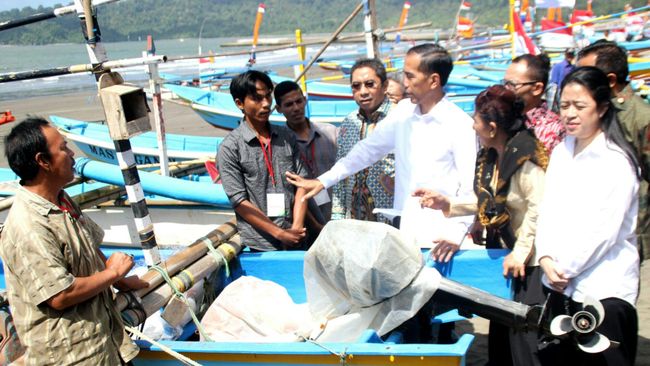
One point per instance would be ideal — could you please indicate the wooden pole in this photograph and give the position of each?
(181, 260)
(159, 120)
(256, 32)
(80, 68)
(54, 13)
(332, 38)
(402, 21)
(298, 69)
(370, 25)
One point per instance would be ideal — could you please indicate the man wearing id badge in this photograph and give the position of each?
(316, 141)
(252, 161)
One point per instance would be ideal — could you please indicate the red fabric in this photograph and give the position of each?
(523, 43)
(211, 167)
(581, 15)
(549, 24)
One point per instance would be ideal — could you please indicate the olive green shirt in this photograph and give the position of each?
(634, 116)
(44, 249)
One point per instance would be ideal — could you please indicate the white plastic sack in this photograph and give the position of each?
(364, 275)
(358, 276)
(254, 310)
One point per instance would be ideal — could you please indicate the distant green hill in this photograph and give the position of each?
(168, 19)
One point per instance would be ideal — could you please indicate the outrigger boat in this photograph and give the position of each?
(94, 140)
(219, 110)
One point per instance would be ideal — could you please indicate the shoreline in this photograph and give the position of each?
(182, 120)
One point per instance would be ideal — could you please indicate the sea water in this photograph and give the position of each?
(24, 58)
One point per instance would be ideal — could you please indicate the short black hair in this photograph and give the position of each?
(610, 58)
(538, 66)
(22, 144)
(244, 84)
(283, 89)
(433, 59)
(372, 63)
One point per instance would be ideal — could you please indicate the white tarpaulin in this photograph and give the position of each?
(555, 3)
(358, 276)
(365, 275)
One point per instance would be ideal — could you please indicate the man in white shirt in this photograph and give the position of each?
(432, 138)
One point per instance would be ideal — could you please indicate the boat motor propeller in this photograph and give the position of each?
(582, 326)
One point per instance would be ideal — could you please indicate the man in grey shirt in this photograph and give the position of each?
(252, 161)
(316, 141)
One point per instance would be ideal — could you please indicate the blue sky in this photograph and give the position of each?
(11, 4)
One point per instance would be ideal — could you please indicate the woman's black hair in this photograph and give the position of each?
(596, 83)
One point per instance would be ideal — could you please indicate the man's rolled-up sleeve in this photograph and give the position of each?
(232, 176)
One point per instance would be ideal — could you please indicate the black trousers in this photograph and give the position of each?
(620, 324)
(508, 346)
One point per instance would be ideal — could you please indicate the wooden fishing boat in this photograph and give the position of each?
(94, 140)
(219, 110)
(478, 268)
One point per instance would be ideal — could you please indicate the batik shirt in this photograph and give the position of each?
(372, 187)
(44, 248)
(548, 128)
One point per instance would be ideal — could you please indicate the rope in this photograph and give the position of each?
(217, 256)
(184, 359)
(342, 356)
(182, 297)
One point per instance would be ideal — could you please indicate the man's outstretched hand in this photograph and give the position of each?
(311, 186)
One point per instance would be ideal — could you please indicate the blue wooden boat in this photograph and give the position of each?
(478, 268)
(219, 110)
(94, 140)
(318, 90)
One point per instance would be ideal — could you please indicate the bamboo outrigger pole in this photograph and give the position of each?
(181, 260)
(54, 13)
(97, 68)
(332, 38)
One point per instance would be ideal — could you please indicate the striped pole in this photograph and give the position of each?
(134, 191)
(402, 21)
(54, 13)
(125, 155)
(256, 32)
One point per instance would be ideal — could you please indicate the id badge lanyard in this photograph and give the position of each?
(274, 201)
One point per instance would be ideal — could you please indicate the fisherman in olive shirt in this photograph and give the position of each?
(58, 282)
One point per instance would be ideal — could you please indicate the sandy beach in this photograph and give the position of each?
(181, 119)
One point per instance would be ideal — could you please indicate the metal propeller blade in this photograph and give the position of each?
(594, 307)
(561, 324)
(594, 343)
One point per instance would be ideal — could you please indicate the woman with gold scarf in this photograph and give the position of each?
(508, 184)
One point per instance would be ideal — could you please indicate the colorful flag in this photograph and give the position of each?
(465, 5)
(523, 43)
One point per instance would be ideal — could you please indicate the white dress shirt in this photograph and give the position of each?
(436, 150)
(587, 220)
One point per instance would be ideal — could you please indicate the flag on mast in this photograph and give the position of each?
(522, 43)
(465, 5)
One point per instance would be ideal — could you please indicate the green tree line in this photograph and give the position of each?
(170, 19)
